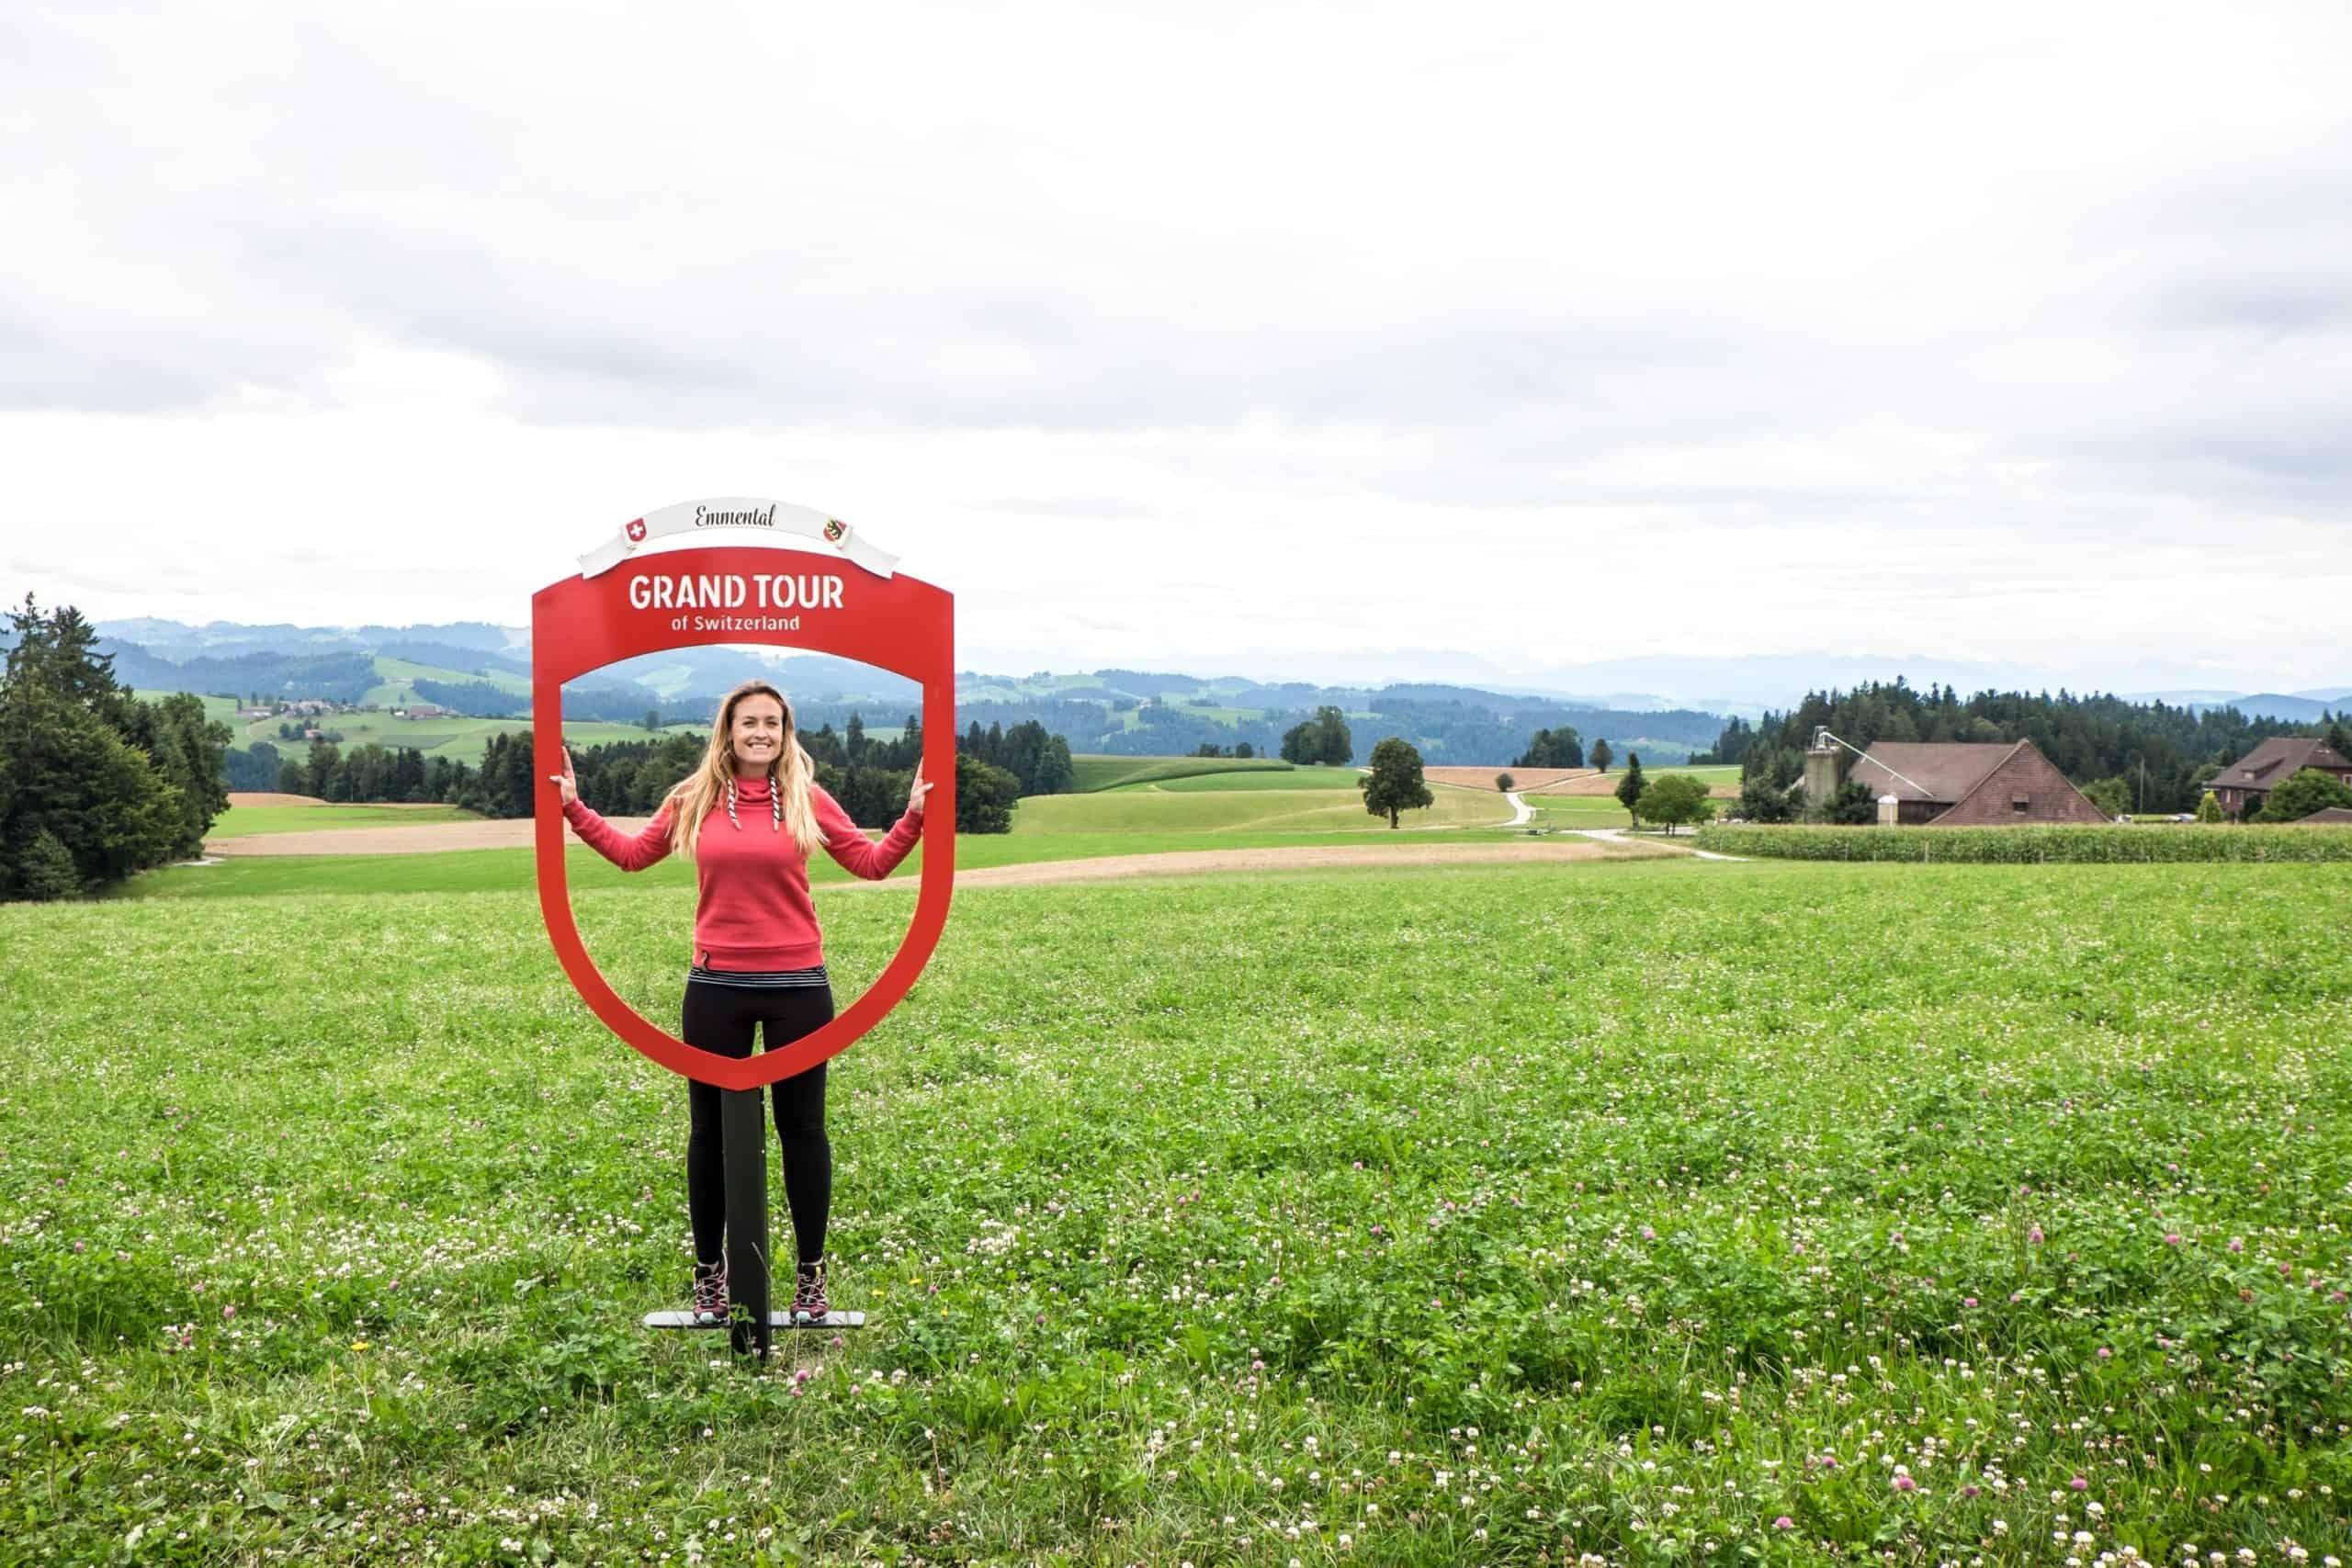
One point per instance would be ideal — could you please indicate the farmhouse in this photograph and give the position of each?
(1955, 784)
(2244, 785)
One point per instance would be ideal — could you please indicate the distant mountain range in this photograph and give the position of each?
(1636, 702)
(2295, 707)
(484, 671)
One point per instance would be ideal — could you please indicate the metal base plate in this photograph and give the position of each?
(776, 1320)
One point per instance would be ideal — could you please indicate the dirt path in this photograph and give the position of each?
(426, 837)
(1621, 836)
(1195, 863)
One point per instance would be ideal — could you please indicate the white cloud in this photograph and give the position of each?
(1535, 334)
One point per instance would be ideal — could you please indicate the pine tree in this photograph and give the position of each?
(1336, 748)
(1629, 788)
(47, 870)
(1055, 771)
(319, 771)
(67, 770)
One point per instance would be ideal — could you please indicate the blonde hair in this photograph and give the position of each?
(791, 775)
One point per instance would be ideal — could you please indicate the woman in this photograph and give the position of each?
(758, 955)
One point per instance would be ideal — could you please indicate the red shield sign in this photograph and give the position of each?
(636, 528)
(820, 602)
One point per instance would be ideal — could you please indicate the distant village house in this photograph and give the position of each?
(2244, 785)
(419, 710)
(1951, 783)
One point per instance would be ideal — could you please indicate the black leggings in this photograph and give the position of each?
(719, 1018)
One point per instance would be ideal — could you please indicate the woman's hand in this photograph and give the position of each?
(565, 785)
(916, 790)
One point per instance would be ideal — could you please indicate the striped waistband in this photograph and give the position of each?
(761, 979)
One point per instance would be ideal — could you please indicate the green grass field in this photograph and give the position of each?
(243, 820)
(1098, 772)
(400, 677)
(1275, 778)
(1577, 811)
(222, 708)
(1442, 1217)
(1217, 811)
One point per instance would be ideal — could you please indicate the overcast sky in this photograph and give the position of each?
(1270, 338)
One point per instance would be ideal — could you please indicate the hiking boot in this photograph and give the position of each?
(809, 1303)
(710, 1292)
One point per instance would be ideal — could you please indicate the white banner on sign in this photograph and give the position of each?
(731, 519)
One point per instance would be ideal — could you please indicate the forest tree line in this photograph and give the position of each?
(2153, 757)
(869, 777)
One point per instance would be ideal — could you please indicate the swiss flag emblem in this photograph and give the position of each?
(636, 531)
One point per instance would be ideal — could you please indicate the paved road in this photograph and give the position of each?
(1526, 812)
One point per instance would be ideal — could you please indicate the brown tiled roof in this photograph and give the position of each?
(2050, 810)
(2329, 815)
(2276, 761)
(1942, 770)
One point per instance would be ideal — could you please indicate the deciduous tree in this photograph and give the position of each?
(2112, 795)
(1558, 747)
(2307, 791)
(1394, 784)
(1674, 799)
(985, 796)
(1761, 801)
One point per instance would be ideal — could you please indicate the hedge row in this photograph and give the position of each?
(2112, 845)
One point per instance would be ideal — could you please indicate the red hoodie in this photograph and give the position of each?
(754, 911)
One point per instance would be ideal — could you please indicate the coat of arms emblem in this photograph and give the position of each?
(636, 532)
(834, 529)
